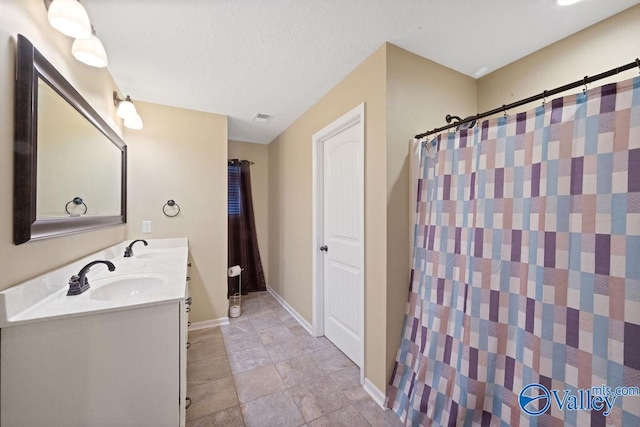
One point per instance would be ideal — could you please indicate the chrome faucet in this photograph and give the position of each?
(128, 252)
(79, 283)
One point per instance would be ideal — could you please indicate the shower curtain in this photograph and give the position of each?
(526, 269)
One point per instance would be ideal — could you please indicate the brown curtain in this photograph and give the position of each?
(243, 240)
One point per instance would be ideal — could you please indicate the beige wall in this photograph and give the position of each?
(259, 155)
(290, 190)
(403, 94)
(420, 93)
(603, 46)
(19, 263)
(182, 155)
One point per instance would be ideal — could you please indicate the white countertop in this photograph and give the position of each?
(45, 297)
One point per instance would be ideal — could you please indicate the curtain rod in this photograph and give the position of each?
(251, 162)
(541, 95)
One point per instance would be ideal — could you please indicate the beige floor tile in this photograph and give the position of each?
(296, 329)
(356, 393)
(265, 322)
(331, 359)
(262, 311)
(347, 377)
(299, 369)
(250, 308)
(375, 415)
(274, 410)
(275, 333)
(211, 397)
(285, 317)
(241, 342)
(205, 370)
(235, 380)
(249, 359)
(206, 349)
(313, 344)
(345, 417)
(284, 350)
(348, 380)
(317, 397)
(257, 383)
(231, 417)
(204, 334)
(238, 326)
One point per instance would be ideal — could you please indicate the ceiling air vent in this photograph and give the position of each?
(262, 118)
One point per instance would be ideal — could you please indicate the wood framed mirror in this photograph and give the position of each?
(69, 164)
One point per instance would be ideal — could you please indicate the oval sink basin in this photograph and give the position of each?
(129, 287)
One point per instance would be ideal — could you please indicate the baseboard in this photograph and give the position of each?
(301, 320)
(209, 324)
(376, 394)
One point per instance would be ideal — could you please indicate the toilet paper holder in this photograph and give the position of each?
(235, 301)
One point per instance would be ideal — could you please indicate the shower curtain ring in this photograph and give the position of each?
(544, 97)
(584, 90)
(638, 64)
(504, 110)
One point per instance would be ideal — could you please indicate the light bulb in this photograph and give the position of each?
(126, 109)
(90, 51)
(70, 18)
(133, 122)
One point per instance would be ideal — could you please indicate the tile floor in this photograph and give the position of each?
(265, 370)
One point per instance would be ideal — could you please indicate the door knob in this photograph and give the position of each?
(324, 248)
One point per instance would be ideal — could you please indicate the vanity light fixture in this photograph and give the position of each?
(127, 111)
(125, 106)
(90, 51)
(69, 17)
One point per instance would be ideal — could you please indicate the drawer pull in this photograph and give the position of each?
(188, 402)
(188, 324)
(188, 301)
(188, 278)
(188, 345)
(188, 309)
(188, 265)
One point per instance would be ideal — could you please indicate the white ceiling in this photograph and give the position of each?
(241, 57)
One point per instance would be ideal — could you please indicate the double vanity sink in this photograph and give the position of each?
(153, 275)
(113, 355)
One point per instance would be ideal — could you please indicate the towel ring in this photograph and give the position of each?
(171, 204)
(76, 201)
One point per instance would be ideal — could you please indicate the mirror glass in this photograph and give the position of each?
(69, 164)
(75, 160)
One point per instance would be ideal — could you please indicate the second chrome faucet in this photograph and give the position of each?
(128, 252)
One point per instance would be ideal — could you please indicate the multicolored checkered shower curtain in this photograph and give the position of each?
(526, 270)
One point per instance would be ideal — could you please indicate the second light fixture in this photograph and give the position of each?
(127, 111)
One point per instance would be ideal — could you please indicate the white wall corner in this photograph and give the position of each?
(301, 320)
(209, 324)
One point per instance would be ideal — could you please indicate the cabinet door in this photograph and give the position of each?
(119, 368)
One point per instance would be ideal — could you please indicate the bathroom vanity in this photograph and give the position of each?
(114, 355)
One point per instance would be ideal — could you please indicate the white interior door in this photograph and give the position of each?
(343, 242)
